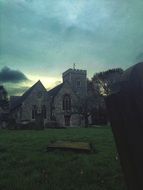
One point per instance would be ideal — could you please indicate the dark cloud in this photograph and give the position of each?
(12, 76)
(51, 35)
(13, 91)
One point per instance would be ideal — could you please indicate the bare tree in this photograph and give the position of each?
(105, 82)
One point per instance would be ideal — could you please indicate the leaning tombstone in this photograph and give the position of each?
(125, 108)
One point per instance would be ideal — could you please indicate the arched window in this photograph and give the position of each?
(66, 102)
(44, 111)
(34, 111)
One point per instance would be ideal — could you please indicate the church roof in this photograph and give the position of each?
(53, 92)
(19, 100)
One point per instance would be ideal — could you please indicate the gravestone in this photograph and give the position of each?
(83, 147)
(125, 109)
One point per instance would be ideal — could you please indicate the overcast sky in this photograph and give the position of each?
(40, 39)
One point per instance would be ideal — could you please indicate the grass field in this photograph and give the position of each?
(26, 165)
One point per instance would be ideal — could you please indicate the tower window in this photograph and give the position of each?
(66, 102)
(78, 83)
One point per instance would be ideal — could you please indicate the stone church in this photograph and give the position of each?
(58, 105)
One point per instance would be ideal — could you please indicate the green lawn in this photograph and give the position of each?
(26, 165)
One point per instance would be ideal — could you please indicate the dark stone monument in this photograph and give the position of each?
(125, 108)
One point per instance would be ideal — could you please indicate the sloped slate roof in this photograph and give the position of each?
(21, 99)
(13, 101)
(53, 92)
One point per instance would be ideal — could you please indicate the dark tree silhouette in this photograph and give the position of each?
(105, 82)
(3, 99)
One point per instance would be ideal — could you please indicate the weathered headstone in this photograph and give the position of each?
(125, 109)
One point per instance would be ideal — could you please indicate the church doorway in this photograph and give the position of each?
(67, 120)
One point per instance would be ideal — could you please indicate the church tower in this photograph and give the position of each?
(78, 81)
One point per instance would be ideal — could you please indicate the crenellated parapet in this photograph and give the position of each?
(75, 71)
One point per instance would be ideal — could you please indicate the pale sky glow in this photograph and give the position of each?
(48, 82)
(43, 38)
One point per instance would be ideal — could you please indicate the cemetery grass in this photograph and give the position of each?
(26, 165)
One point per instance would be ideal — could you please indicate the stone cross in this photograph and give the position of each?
(74, 66)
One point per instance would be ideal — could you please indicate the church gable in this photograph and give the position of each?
(32, 93)
(37, 92)
(35, 102)
(66, 93)
(64, 107)
(32, 101)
